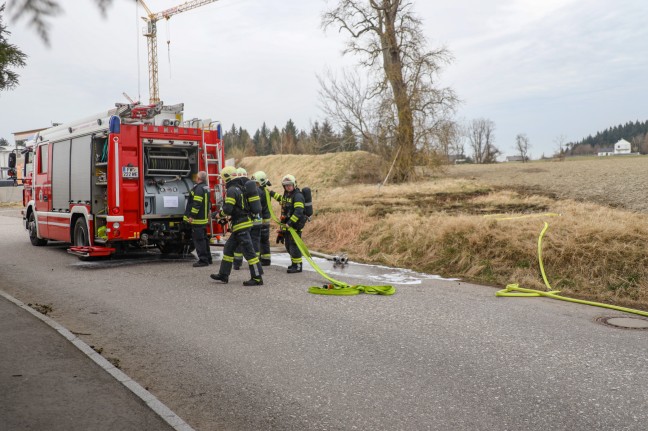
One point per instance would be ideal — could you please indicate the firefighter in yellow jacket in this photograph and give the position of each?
(196, 213)
(236, 207)
(292, 215)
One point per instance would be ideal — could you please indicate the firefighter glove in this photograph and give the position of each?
(280, 237)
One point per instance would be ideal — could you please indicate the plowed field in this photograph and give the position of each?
(620, 182)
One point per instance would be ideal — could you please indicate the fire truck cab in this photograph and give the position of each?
(119, 180)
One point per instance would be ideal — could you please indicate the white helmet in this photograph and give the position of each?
(289, 180)
(260, 177)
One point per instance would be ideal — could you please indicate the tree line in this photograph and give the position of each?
(634, 132)
(321, 138)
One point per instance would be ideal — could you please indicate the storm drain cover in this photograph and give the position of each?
(625, 322)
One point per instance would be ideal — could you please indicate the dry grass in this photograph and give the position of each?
(10, 204)
(583, 255)
(317, 171)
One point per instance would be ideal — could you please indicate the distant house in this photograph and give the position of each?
(514, 158)
(621, 147)
(27, 134)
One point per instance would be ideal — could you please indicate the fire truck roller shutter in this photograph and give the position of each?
(61, 175)
(80, 169)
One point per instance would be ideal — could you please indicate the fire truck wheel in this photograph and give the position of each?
(81, 233)
(31, 225)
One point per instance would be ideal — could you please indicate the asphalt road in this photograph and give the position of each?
(438, 355)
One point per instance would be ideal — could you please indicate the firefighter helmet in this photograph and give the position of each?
(289, 180)
(241, 172)
(227, 173)
(260, 177)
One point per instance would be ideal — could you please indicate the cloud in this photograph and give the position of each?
(545, 68)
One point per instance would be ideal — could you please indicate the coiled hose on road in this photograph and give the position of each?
(334, 287)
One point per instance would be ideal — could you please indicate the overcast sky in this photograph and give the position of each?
(547, 68)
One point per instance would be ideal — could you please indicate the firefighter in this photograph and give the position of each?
(241, 179)
(292, 215)
(235, 207)
(260, 232)
(264, 232)
(196, 213)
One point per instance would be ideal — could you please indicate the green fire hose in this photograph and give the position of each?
(334, 287)
(514, 290)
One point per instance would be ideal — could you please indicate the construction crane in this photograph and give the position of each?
(151, 35)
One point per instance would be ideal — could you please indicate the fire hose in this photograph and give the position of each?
(334, 287)
(514, 289)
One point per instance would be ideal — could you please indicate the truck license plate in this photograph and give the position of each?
(130, 172)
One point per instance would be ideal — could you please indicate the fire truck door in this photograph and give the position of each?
(58, 221)
(43, 188)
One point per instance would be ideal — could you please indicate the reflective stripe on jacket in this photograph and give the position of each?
(235, 208)
(198, 205)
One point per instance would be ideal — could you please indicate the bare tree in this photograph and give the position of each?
(636, 141)
(481, 136)
(643, 147)
(349, 101)
(560, 143)
(522, 146)
(403, 95)
(450, 144)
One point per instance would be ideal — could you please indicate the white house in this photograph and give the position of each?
(621, 147)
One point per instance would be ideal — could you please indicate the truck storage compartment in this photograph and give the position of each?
(167, 179)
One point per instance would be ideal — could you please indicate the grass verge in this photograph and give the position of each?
(589, 251)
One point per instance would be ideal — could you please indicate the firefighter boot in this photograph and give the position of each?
(294, 268)
(254, 282)
(220, 277)
(265, 262)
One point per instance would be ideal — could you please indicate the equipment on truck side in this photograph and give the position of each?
(119, 180)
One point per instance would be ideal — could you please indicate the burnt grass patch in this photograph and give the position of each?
(446, 202)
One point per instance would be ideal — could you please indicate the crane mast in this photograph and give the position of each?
(151, 36)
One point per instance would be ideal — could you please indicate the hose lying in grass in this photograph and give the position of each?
(514, 290)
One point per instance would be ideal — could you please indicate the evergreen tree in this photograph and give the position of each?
(632, 132)
(348, 140)
(289, 138)
(10, 58)
(275, 141)
(328, 141)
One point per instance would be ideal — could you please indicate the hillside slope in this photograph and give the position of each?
(323, 170)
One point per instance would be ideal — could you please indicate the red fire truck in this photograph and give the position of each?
(119, 180)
